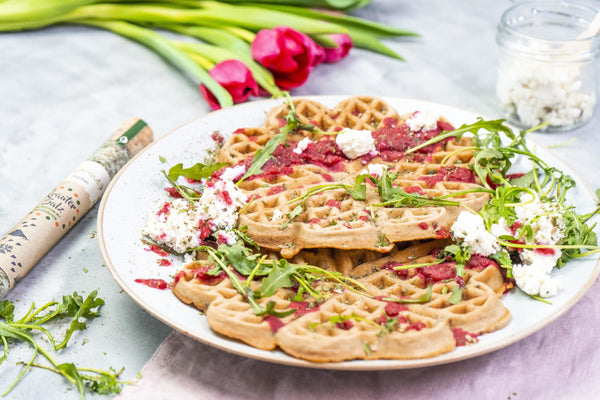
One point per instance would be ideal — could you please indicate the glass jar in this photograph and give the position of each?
(547, 72)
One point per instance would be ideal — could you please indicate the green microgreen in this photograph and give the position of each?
(78, 310)
(424, 298)
(274, 274)
(196, 172)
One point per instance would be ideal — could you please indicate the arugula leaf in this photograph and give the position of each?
(266, 153)
(424, 298)
(32, 321)
(69, 371)
(79, 308)
(491, 126)
(7, 309)
(293, 214)
(280, 277)
(197, 172)
(456, 295)
(270, 310)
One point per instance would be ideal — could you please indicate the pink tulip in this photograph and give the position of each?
(236, 78)
(335, 54)
(289, 55)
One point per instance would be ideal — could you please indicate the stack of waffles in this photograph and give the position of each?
(398, 313)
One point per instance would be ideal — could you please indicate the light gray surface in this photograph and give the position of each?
(64, 90)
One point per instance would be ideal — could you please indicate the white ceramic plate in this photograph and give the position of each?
(138, 189)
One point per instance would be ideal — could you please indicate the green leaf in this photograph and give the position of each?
(456, 295)
(270, 310)
(293, 214)
(197, 172)
(424, 298)
(280, 277)
(7, 309)
(69, 371)
(79, 308)
(491, 126)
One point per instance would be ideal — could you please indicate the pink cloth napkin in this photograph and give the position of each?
(562, 361)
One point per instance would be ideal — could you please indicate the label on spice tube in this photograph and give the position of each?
(45, 225)
(25, 244)
(91, 176)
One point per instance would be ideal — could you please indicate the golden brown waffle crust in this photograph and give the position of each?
(358, 239)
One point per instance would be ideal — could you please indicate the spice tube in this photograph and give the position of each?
(24, 245)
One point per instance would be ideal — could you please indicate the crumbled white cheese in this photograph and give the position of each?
(374, 169)
(177, 225)
(547, 227)
(233, 173)
(534, 281)
(537, 94)
(469, 228)
(177, 228)
(302, 145)
(423, 120)
(277, 215)
(545, 219)
(355, 143)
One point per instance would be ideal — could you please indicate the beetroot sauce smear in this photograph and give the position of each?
(391, 143)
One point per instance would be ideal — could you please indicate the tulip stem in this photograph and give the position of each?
(218, 54)
(165, 49)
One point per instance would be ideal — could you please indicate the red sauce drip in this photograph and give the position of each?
(315, 220)
(333, 203)
(442, 233)
(414, 189)
(165, 209)
(417, 326)
(451, 174)
(204, 229)
(515, 175)
(239, 130)
(327, 177)
(275, 190)
(390, 122)
(463, 337)
(173, 192)
(164, 262)
(346, 325)
(157, 250)
(479, 262)
(217, 137)
(224, 195)
(439, 272)
(275, 323)
(423, 225)
(545, 251)
(324, 153)
(392, 309)
(303, 307)
(205, 278)
(153, 283)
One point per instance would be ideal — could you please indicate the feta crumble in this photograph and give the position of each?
(302, 145)
(469, 229)
(181, 225)
(355, 143)
(277, 215)
(545, 221)
(426, 121)
(233, 173)
(374, 169)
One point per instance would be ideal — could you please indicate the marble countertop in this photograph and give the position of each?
(65, 89)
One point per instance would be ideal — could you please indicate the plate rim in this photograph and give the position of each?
(354, 365)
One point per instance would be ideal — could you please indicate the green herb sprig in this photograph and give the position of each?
(35, 320)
